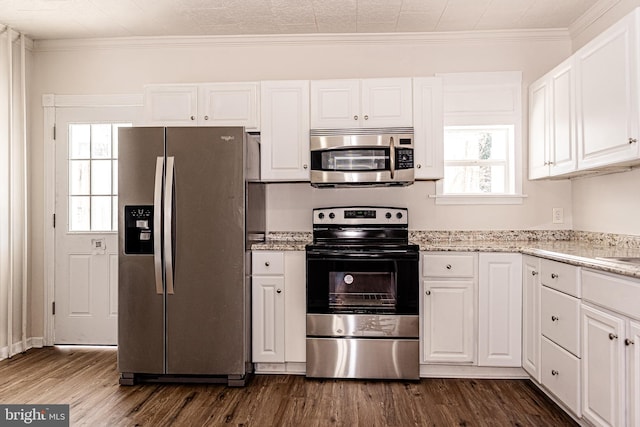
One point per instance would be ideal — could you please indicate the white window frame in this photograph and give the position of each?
(463, 106)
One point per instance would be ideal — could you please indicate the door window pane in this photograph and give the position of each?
(93, 176)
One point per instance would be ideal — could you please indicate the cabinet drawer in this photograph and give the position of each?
(616, 293)
(561, 374)
(561, 277)
(267, 262)
(560, 319)
(448, 265)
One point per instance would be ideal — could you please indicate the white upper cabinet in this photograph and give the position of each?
(607, 95)
(229, 104)
(213, 104)
(171, 105)
(361, 103)
(428, 128)
(552, 123)
(284, 137)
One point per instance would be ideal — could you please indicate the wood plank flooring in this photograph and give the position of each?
(87, 380)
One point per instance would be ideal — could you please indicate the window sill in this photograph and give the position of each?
(479, 199)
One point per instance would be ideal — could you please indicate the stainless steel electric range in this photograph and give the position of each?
(362, 295)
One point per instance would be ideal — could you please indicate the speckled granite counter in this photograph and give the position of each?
(574, 247)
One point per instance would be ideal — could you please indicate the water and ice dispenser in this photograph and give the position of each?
(138, 237)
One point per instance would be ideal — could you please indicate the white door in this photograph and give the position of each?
(633, 357)
(531, 316)
(386, 103)
(229, 104)
(335, 104)
(86, 218)
(268, 319)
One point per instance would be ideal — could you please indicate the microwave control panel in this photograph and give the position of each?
(404, 158)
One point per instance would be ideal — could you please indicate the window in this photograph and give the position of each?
(482, 138)
(478, 159)
(93, 176)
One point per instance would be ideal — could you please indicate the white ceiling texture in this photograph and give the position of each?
(60, 19)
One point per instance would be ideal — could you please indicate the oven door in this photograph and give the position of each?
(368, 281)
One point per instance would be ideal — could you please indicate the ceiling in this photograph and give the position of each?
(61, 19)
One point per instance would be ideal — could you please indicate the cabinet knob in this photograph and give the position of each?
(554, 372)
(632, 140)
(304, 166)
(554, 276)
(206, 117)
(355, 117)
(279, 291)
(267, 263)
(419, 166)
(627, 341)
(366, 117)
(554, 318)
(613, 336)
(428, 292)
(534, 273)
(192, 117)
(448, 267)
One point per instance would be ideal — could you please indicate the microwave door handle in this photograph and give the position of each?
(157, 225)
(168, 222)
(392, 157)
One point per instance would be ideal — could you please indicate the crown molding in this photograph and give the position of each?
(503, 36)
(15, 36)
(592, 14)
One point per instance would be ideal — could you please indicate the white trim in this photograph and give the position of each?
(509, 36)
(479, 199)
(292, 368)
(20, 347)
(49, 103)
(471, 371)
(588, 18)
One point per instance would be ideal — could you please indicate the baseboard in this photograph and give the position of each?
(293, 368)
(18, 347)
(467, 371)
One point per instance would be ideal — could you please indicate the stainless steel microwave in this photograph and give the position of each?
(362, 157)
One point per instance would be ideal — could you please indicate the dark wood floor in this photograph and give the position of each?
(87, 380)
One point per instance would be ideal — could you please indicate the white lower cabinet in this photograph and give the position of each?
(531, 316)
(500, 310)
(632, 344)
(448, 307)
(560, 373)
(278, 307)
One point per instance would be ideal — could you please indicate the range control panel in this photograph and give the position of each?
(138, 236)
(360, 216)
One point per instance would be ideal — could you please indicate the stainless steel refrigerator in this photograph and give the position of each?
(190, 205)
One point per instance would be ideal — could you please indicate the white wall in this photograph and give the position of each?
(125, 65)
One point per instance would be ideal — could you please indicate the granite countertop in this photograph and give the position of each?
(577, 248)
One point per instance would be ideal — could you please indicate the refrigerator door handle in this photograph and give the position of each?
(157, 225)
(168, 222)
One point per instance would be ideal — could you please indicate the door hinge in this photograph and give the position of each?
(54, 132)
(53, 308)
(54, 220)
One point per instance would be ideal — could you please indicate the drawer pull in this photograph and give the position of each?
(613, 337)
(534, 273)
(279, 291)
(428, 292)
(554, 318)
(554, 372)
(554, 276)
(627, 341)
(448, 266)
(267, 263)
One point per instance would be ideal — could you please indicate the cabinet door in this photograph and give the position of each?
(603, 392)
(539, 129)
(531, 316)
(562, 154)
(608, 96)
(170, 105)
(633, 357)
(295, 301)
(268, 319)
(428, 128)
(335, 104)
(500, 310)
(448, 332)
(229, 104)
(386, 103)
(284, 139)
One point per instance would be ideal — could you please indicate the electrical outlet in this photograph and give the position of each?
(558, 215)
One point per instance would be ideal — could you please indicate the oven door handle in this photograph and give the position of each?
(340, 254)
